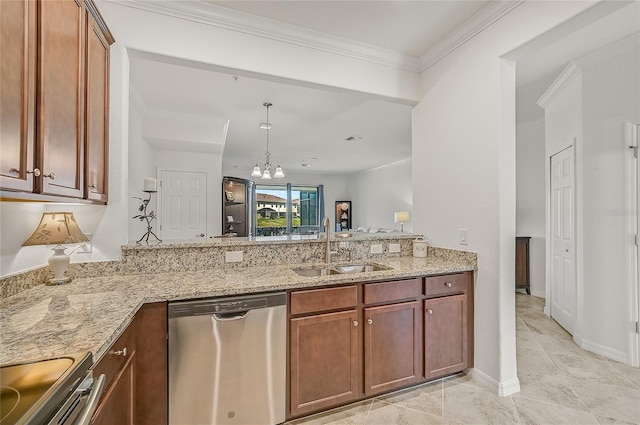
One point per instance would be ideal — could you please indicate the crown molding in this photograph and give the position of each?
(568, 74)
(473, 26)
(233, 20)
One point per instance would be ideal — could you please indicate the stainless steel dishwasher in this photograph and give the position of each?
(227, 360)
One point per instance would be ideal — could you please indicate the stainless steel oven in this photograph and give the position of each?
(56, 391)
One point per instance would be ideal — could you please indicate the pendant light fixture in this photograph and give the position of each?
(265, 172)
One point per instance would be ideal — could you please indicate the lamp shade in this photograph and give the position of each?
(401, 217)
(56, 228)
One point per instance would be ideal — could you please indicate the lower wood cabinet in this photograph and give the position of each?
(352, 342)
(118, 402)
(135, 368)
(392, 346)
(445, 336)
(323, 360)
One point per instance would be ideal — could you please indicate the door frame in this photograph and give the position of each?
(549, 249)
(632, 140)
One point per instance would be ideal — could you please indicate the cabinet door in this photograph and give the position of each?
(323, 361)
(392, 346)
(445, 335)
(17, 93)
(118, 404)
(151, 370)
(61, 98)
(97, 113)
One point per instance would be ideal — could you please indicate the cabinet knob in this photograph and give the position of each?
(429, 311)
(201, 235)
(35, 172)
(122, 352)
(51, 176)
(14, 171)
(369, 321)
(355, 323)
(448, 284)
(92, 186)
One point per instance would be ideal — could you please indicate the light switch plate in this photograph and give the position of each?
(394, 247)
(464, 237)
(233, 256)
(376, 249)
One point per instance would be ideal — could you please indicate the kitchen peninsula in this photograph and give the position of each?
(90, 313)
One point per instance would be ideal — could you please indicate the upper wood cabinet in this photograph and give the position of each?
(17, 94)
(61, 149)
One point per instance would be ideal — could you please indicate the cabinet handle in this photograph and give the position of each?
(35, 172)
(52, 176)
(355, 323)
(92, 186)
(122, 352)
(449, 284)
(429, 311)
(369, 321)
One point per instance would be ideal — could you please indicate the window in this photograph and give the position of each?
(288, 209)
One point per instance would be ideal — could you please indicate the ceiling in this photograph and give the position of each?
(206, 109)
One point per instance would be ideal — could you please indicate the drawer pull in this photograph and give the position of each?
(355, 323)
(369, 321)
(429, 311)
(122, 352)
(448, 284)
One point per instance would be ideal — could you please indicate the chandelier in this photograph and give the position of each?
(265, 171)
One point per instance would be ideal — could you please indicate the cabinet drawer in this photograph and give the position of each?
(115, 358)
(323, 299)
(392, 291)
(445, 285)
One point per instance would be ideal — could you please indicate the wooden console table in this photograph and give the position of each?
(522, 263)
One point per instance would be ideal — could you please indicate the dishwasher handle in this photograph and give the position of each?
(228, 317)
(92, 403)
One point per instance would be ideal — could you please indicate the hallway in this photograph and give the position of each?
(559, 384)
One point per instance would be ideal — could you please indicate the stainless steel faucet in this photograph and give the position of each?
(327, 230)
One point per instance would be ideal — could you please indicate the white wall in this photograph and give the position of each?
(376, 194)
(610, 87)
(530, 198)
(464, 141)
(19, 219)
(189, 38)
(141, 165)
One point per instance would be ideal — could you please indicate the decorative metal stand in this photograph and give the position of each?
(148, 217)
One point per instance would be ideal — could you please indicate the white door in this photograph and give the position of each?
(183, 213)
(563, 269)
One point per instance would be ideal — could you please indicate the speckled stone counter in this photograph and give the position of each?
(90, 313)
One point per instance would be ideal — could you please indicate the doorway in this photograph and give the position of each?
(183, 205)
(563, 225)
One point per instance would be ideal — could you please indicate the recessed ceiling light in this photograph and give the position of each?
(305, 165)
(313, 158)
(353, 138)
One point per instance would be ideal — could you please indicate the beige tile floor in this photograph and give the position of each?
(559, 384)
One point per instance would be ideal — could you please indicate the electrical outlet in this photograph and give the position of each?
(86, 247)
(394, 247)
(376, 249)
(464, 237)
(233, 256)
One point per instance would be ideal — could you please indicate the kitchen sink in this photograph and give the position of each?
(340, 269)
(316, 271)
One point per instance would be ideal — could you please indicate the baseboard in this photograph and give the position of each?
(503, 389)
(539, 294)
(610, 353)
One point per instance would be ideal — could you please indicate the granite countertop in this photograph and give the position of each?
(90, 313)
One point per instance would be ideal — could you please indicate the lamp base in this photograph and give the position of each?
(53, 281)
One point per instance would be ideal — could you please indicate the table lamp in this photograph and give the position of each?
(401, 217)
(57, 228)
